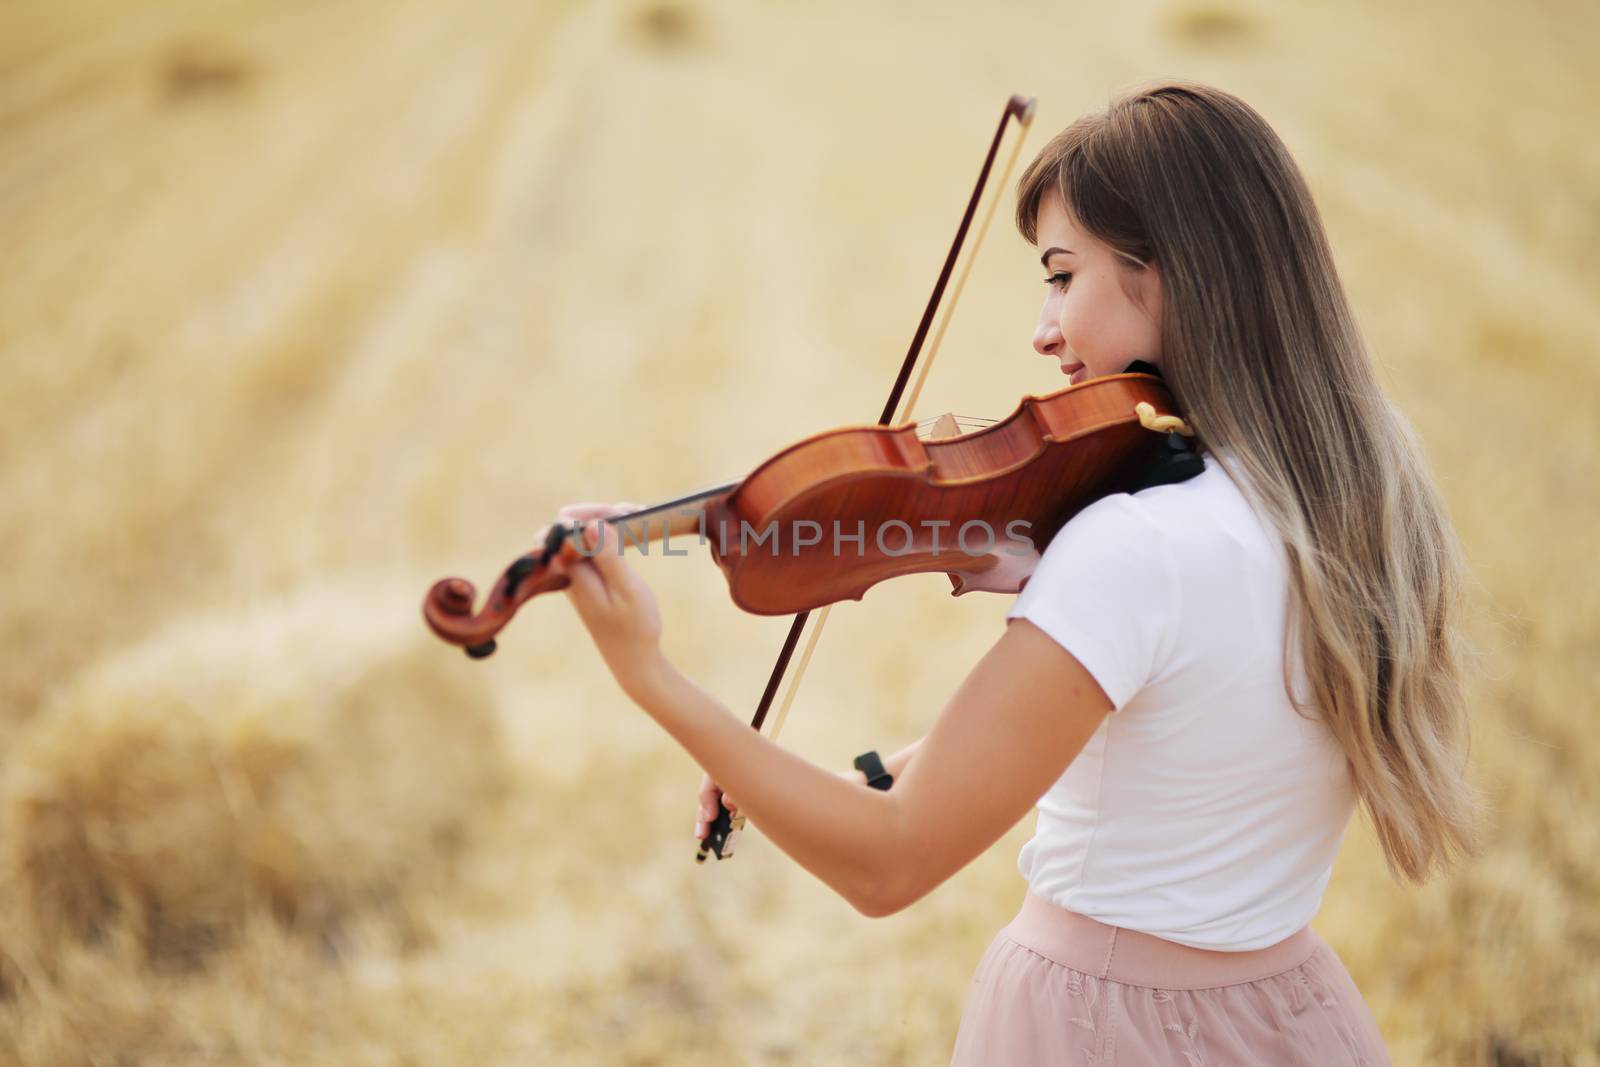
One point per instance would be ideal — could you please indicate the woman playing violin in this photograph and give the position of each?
(1199, 682)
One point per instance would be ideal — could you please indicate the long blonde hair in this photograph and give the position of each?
(1261, 351)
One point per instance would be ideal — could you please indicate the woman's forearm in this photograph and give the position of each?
(842, 832)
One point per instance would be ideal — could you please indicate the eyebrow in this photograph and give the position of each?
(1044, 260)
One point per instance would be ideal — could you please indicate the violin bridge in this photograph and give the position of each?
(943, 426)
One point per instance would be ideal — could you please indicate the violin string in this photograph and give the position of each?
(916, 391)
(964, 423)
(971, 420)
(954, 415)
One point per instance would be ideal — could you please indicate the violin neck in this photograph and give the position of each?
(645, 527)
(677, 517)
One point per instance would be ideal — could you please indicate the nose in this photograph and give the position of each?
(1047, 339)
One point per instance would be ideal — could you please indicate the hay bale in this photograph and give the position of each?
(309, 757)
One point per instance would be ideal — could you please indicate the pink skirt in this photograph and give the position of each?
(1059, 988)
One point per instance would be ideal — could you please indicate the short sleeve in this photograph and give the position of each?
(1106, 590)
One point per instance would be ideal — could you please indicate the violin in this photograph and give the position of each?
(831, 516)
(873, 501)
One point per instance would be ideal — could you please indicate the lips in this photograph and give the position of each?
(1074, 371)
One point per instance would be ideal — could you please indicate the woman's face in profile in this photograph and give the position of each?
(1102, 311)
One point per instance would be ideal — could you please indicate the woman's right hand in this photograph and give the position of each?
(711, 795)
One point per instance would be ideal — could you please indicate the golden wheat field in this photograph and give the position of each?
(306, 305)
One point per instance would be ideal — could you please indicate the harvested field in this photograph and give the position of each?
(307, 305)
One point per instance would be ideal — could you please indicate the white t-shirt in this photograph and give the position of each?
(1204, 810)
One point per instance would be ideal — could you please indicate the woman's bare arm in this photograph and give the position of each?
(1013, 726)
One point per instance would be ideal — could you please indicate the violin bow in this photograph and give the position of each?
(719, 838)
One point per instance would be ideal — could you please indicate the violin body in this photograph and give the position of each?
(846, 509)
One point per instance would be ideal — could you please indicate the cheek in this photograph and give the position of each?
(1106, 328)
(1144, 330)
(1085, 325)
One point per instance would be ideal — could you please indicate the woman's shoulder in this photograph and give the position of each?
(1110, 587)
(1163, 508)
(1206, 518)
(1137, 581)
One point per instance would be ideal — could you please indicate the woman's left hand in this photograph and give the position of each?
(614, 603)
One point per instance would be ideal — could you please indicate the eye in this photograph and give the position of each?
(1059, 279)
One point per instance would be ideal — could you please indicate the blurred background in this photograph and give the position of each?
(306, 305)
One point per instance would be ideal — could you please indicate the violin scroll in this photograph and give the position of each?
(447, 609)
